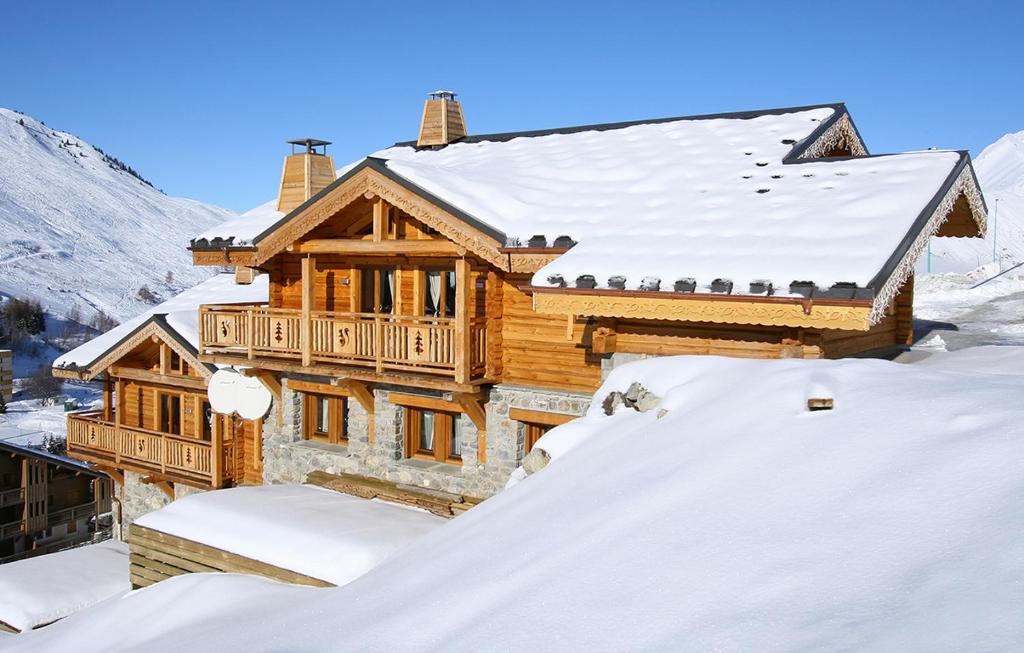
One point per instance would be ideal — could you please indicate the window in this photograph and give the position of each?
(375, 293)
(207, 420)
(433, 435)
(439, 298)
(326, 419)
(170, 413)
(534, 432)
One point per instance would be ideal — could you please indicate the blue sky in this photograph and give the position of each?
(200, 97)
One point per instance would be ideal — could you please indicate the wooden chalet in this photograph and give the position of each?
(156, 424)
(434, 308)
(47, 502)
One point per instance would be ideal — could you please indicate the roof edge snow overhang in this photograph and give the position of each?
(53, 459)
(155, 325)
(797, 312)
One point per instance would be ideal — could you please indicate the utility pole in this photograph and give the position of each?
(995, 233)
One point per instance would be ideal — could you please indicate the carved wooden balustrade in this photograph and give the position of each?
(175, 457)
(382, 342)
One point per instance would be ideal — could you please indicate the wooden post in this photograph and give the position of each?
(108, 398)
(249, 336)
(308, 290)
(217, 453)
(463, 356)
(165, 364)
(380, 220)
(378, 344)
(118, 418)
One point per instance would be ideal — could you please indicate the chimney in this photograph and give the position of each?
(305, 174)
(442, 120)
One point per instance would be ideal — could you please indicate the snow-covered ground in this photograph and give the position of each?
(66, 211)
(37, 591)
(951, 314)
(27, 421)
(739, 520)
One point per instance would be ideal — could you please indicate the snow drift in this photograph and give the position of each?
(737, 521)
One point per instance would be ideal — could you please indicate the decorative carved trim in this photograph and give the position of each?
(151, 330)
(368, 181)
(222, 257)
(840, 134)
(820, 316)
(964, 185)
(529, 263)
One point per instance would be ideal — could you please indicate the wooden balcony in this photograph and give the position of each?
(12, 497)
(12, 529)
(172, 457)
(379, 343)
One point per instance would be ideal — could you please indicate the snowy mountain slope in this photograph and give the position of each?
(1000, 169)
(77, 228)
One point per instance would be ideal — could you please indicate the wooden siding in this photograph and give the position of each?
(535, 349)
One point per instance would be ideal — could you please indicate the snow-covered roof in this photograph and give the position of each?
(180, 314)
(317, 532)
(40, 590)
(737, 197)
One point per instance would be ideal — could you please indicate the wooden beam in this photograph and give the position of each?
(539, 417)
(380, 220)
(427, 248)
(426, 403)
(462, 331)
(148, 376)
(217, 452)
(165, 356)
(318, 388)
(164, 485)
(308, 290)
(108, 398)
(115, 475)
(473, 405)
(361, 391)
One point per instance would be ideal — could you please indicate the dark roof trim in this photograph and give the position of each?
(379, 165)
(919, 223)
(838, 107)
(50, 458)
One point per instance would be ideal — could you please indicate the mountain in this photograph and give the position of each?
(79, 227)
(1000, 169)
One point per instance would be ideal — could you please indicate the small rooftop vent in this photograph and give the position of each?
(442, 120)
(305, 173)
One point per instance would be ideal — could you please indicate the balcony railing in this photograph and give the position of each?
(92, 438)
(12, 497)
(12, 529)
(402, 343)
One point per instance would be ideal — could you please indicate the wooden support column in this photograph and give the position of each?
(308, 295)
(473, 406)
(118, 418)
(165, 355)
(217, 452)
(108, 398)
(462, 334)
(380, 220)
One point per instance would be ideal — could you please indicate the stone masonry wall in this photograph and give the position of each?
(287, 458)
(137, 498)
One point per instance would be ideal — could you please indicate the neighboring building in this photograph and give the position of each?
(47, 502)
(6, 374)
(439, 305)
(156, 435)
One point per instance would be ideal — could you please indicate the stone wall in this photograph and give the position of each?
(136, 498)
(287, 458)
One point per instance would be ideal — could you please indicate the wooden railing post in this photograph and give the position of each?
(463, 356)
(249, 335)
(308, 296)
(378, 342)
(118, 418)
(217, 454)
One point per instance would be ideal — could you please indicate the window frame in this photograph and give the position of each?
(337, 418)
(444, 428)
(375, 301)
(172, 397)
(446, 303)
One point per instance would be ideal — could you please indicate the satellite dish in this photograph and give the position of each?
(222, 391)
(252, 399)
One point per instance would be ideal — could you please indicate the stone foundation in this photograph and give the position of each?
(136, 498)
(287, 458)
